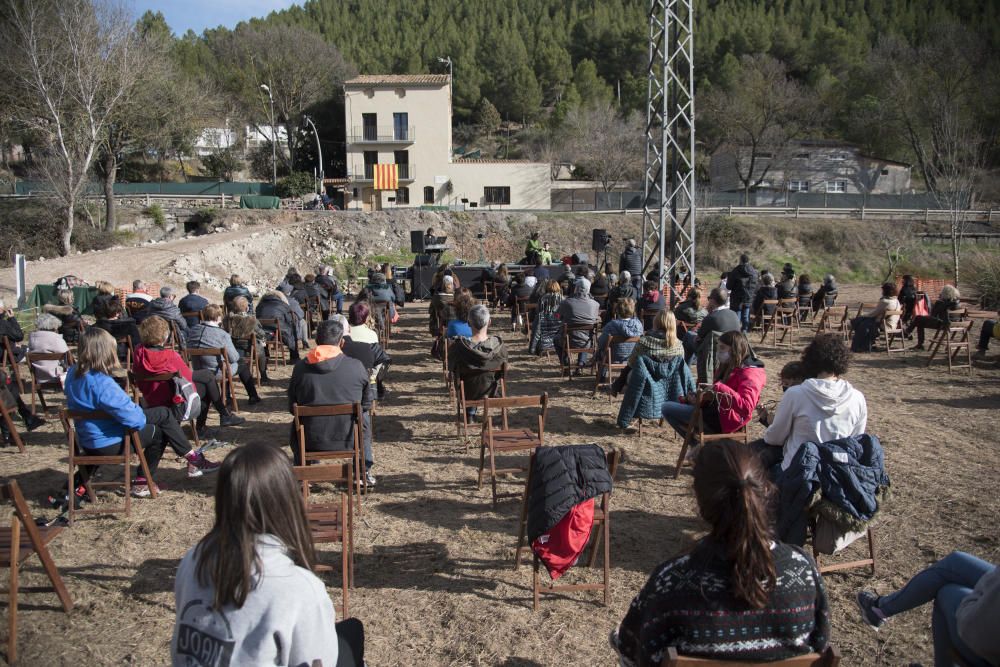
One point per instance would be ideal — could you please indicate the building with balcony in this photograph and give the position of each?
(405, 120)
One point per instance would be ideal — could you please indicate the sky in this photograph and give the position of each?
(201, 14)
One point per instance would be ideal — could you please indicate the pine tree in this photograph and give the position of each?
(487, 117)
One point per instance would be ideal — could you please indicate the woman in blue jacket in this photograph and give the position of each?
(90, 388)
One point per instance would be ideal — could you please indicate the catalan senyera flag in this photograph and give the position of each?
(385, 176)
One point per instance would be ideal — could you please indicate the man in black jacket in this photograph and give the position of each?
(631, 261)
(10, 329)
(742, 286)
(327, 376)
(274, 306)
(719, 318)
(474, 360)
(166, 308)
(237, 288)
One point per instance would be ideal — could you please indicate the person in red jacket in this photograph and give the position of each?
(739, 379)
(151, 358)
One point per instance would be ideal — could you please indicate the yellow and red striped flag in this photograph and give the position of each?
(386, 176)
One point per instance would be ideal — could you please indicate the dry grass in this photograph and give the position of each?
(435, 582)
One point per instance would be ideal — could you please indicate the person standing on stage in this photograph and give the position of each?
(429, 238)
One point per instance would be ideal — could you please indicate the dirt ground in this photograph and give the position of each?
(435, 579)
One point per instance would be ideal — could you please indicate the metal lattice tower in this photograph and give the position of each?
(668, 216)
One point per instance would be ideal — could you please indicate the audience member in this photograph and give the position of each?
(165, 308)
(459, 325)
(106, 293)
(90, 387)
(237, 288)
(689, 311)
(194, 302)
(826, 295)
(886, 303)
(209, 334)
(329, 377)
(965, 591)
(68, 314)
(244, 328)
(547, 326)
(631, 261)
(766, 292)
(475, 359)
(624, 324)
(45, 339)
(738, 594)
(720, 319)
(441, 306)
(822, 408)
(908, 297)
(328, 282)
(739, 379)
(359, 316)
(252, 574)
(109, 318)
(600, 289)
(652, 300)
(274, 306)
(152, 358)
(287, 284)
(787, 288)
(579, 309)
(138, 293)
(10, 329)
(742, 286)
(939, 316)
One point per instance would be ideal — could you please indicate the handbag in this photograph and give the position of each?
(920, 308)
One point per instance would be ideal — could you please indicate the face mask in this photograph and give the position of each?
(722, 357)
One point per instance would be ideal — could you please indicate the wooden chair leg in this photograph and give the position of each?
(535, 585)
(493, 475)
(607, 554)
(143, 465)
(684, 447)
(871, 548)
(482, 462)
(15, 549)
(12, 428)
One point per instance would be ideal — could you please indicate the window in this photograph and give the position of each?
(371, 158)
(369, 127)
(494, 194)
(798, 186)
(839, 157)
(836, 186)
(428, 194)
(403, 196)
(401, 126)
(765, 156)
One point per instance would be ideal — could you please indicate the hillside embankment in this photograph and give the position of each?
(262, 245)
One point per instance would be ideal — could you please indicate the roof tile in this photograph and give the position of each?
(397, 79)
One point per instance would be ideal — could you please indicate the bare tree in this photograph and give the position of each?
(892, 237)
(69, 64)
(754, 121)
(605, 144)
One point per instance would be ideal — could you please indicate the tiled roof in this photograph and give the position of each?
(489, 161)
(397, 80)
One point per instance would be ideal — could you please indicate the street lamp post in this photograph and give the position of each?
(451, 98)
(274, 138)
(319, 149)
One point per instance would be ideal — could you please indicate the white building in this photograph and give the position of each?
(405, 119)
(214, 139)
(258, 136)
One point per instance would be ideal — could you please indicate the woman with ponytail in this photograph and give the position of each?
(738, 594)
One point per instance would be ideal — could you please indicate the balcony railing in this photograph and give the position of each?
(389, 134)
(366, 172)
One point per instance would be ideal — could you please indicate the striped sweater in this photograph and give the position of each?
(688, 604)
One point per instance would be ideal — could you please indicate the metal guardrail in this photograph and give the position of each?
(862, 213)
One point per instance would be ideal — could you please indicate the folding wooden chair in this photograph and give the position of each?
(7, 414)
(314, 313)
(224, 379)
(275, 344)
(507, 440)
(521, 314)
(954, 337)
(600, 532)
(383, 322)
(891, 334)
(15, 551)
(332, 522)
(126, 340)
(461, 414)
(607, 367)
(38, 386)
(786, 320)
(836, 567)
(192, 314)
(828, 658)
(530, 316)
(135, 378)
(359, 484)
(10, 359)
(831, 318)
(696, 435)
(862, 309)
(247, 347)
(768, 321)
(447, 375)
(569, 352)
(805, 306)
(132, 445)
(174, 341)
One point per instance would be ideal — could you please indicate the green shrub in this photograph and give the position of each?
(156, 213)
(296, 184)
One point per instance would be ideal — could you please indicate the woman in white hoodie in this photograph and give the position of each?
(246, 594)
(824, 407)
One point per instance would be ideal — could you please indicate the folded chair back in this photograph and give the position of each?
(10, 359)
(275, 344)
(353, 410)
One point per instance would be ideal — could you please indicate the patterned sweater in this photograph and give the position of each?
(687, 604)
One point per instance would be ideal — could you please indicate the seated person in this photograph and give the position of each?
(372, 356)
(359, 315)
(652, 298)
(661, 343)
(242, 326)
(908, 297)
(787, 288)
(287, 283)
(210, 334)
(165, 308)
(109, 318)
(151, 358)
(237, 287)
(826, 295)
(46, 339)
(11, 399)
(600, 289)
(193, 302)
(90, 387)
(720, 319)
(138, 293)
(440, 308)
(739, 379)
(330, 288)
(623, 290)
(886, 303)
(689, 311)
(458, 326)
(737, 594)
(578, 309)
(988, 331)
(965, 591)
(547, 326)
(10, 329)
(274, 306)
(624, 324)
(824, 407)
(68, 314)
(532, 248)
(521, 287)
(252, 574)
(106, 292)
(805, 291)
(766, 292)
(948, 301)
(472, 359)
(327, 376)
(382, 292)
